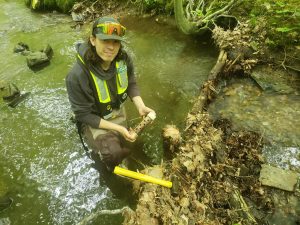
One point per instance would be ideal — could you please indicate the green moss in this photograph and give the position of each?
(65, 5)
(27, 2)
(60, 5)
(282, 19)
(49, 5)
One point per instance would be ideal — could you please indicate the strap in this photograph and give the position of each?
(90, 78)
(79, 130)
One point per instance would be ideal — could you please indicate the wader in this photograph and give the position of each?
(109, 145)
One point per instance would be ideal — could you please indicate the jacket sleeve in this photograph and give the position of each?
(133, 89)
(81, 97)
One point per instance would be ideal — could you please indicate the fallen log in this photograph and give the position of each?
(208, 89)
(144, 213)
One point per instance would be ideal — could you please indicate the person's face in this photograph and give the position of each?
(106, 49)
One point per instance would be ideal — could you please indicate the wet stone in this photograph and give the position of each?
(270, 80)
(21, 47)
(278, 178)
(36, 59)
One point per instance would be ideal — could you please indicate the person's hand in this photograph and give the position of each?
(144, 110)
(129, 136)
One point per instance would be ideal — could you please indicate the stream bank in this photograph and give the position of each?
(220, 160)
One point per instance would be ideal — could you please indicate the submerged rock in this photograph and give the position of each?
(21, 47)
(11, 94)
(5, 221)
(8, 91)
(278, 178)
(77, 17)
(5, 201)
(35, 59)
(48, 50)
(270, 80)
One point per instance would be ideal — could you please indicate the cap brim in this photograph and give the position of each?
(109, 37)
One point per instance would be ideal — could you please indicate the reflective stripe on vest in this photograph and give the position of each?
(122, 81)
(102, 90)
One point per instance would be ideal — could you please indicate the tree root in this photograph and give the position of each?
(96, 214)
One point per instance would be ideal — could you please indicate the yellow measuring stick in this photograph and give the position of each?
(142, 177)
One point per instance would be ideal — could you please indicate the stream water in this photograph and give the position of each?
(274, 115)
(43, 164)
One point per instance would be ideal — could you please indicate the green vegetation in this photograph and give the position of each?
(281, 20)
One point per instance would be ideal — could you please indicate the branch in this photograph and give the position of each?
(199, 5)
(209, 17)
(211, 4)
(282, 64)
(187, 10)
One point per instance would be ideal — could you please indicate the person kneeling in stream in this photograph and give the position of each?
(98, 85)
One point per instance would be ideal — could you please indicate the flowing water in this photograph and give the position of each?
(272, 114)
(43, 164)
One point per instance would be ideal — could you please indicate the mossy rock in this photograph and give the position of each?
(5, 200)
(65, 5)
(60, 5)
(4, 91)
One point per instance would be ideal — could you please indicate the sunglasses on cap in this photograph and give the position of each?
(110, 29)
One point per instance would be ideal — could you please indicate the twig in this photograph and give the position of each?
(201, 3)
(94, 3)
(182, 176)
(209, 17)
(282, 63)
(293, 68)
(136, 118)
(233, 62)
(188, 16)
(137, 161)
(211, 4)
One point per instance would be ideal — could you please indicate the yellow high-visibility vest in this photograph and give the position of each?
(102, 90)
